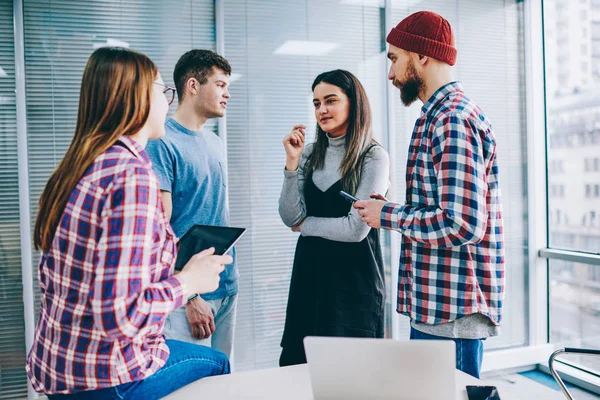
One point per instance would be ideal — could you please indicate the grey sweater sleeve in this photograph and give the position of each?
(292, 208)
(374, 178)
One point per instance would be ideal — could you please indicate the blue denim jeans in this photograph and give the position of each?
(469, 352)
(186, 364)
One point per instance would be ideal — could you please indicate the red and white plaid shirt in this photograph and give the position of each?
(106, 283)
(452, 259)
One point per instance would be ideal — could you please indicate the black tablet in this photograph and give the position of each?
(202, 237)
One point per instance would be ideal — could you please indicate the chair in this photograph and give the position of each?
(567, 350)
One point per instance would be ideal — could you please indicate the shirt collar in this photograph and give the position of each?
(134, 147)
(439, 95)
(172, 123)
(337, 142)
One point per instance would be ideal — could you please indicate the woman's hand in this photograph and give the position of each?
(294, 146)
(201, 273)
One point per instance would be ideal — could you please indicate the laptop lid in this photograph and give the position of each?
(353, 368)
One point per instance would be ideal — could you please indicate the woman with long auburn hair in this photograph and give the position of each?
(108, 251)
(337, 286)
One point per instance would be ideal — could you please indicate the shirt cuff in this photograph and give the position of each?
(307, 227)
(178, 290)
(290, 174)
(389, 216)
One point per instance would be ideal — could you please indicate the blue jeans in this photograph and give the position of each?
(469, 352)
(186, 364)
(224, 311)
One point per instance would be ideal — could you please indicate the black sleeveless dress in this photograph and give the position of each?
(337, 288)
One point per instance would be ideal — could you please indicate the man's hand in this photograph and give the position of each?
(377, 196)
(201, 318)
(370, 210)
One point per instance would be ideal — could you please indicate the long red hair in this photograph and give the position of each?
(114, 100)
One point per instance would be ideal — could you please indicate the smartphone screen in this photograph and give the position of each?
(483, 393)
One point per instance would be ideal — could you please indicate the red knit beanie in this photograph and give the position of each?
(425, 33)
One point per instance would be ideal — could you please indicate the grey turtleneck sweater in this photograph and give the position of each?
(374, 178)
(292, 208)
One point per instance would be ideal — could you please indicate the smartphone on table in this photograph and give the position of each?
(482, 393)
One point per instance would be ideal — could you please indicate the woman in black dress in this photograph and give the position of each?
(337, 286)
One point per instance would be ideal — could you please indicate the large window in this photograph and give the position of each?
(493, 76)
(575, 309)
(573, 150)
(573, 110)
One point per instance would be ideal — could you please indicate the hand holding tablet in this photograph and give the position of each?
(202, 258)
(203, 237)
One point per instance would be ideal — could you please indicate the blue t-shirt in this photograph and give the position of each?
(191, 165)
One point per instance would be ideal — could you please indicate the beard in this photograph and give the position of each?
(411, 87)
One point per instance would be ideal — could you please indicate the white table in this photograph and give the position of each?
(290, 383)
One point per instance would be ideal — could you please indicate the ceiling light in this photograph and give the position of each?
(112, 43)
(306, 48)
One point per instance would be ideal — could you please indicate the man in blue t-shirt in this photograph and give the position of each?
(190, 164)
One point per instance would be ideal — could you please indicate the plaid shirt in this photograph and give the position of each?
(106, 281)
(452, 259)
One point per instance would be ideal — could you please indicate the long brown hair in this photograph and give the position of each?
(114, 100)
(359, 135)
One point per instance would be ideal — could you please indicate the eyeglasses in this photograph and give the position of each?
(169, 92)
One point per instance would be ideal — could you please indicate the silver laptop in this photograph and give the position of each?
(348, 368)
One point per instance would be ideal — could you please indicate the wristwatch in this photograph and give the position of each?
(192, 297)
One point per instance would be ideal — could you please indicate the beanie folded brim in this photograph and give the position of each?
(422, 45)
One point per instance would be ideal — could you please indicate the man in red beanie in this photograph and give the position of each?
(451, 275)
